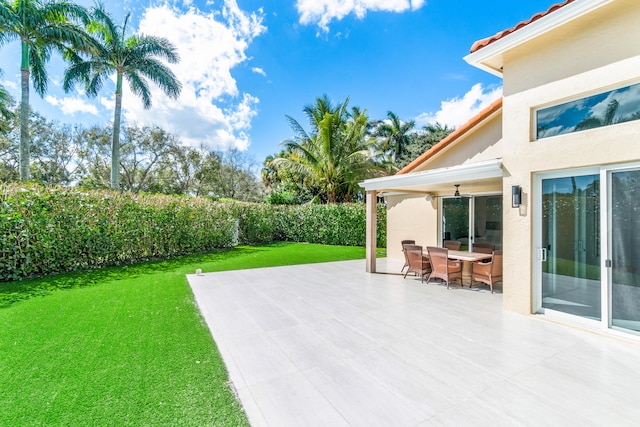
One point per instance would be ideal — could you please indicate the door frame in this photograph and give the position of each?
(605, 203)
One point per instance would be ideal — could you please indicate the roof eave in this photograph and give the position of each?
(483, 57)
(470, 171)
(455, 136)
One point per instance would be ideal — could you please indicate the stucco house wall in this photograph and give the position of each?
(484, 143)
(590, 55)
(410, 216)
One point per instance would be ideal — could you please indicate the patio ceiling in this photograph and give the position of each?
(470, 176)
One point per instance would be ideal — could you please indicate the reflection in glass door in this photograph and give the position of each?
(455, 220)
(570, 240)
(625, 250)
(482, 214)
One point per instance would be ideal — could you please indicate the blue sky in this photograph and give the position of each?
(245, 64)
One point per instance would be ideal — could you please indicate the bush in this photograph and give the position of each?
(283, 198)
(343, 224)
(46, 230)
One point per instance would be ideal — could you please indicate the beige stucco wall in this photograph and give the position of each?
(410, 216)
(591, 55)
(484, 143)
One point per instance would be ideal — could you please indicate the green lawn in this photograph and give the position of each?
(124, 346)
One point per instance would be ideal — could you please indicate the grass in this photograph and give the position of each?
(124, 346)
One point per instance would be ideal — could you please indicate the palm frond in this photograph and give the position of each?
(139, 87)
(161, 75)
(146, 46)
(38, 58)
(297, 128)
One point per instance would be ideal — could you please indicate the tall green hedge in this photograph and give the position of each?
(343, 224)
(45, 230)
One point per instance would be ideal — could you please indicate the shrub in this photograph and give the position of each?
(343, 224)
(45, 230)
(283, 197)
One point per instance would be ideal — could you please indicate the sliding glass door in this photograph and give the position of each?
(456, 212)
(588, 245)
(570, 245)
(473, 220)
(625, 249)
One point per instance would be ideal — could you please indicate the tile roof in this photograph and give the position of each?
(453, 136)
(485, 42)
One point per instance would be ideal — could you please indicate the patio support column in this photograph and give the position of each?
(372, 213)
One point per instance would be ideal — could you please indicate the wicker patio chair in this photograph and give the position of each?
(418, 263)
(488, 272)
(453, 245)
(484, 248)
(406, 261)
(442, 267)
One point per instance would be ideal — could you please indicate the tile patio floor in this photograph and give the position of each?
(329, 345)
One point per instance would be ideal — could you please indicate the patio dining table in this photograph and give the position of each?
(467, 258)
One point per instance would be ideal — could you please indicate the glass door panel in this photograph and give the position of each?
(487, 216)
(571, 237)
(455, 220)
(625, 250)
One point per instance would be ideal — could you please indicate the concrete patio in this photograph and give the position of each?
(329, 345)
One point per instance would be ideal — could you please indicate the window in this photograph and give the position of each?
(604, 109)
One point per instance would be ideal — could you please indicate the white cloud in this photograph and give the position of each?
(259, 70)
(71, 105)
(322, 12)
(210, 109)
(9, 84)
(457, 111)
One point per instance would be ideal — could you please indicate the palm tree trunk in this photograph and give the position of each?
(24, 114)
(115, 145)
(331, 195)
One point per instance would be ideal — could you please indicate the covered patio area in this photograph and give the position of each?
(328, 344)
(476, 178)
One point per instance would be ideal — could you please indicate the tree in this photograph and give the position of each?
(41, 28)
(395, 135)
(9, 156)
(421, 141)
(135, 58)
(279, 180)
(334, 155)
(142, 153)
(97, 148)
(56, 152)
(6, 104)
(188, 170)
(236, 178)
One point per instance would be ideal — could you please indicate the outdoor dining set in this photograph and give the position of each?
(449, 263)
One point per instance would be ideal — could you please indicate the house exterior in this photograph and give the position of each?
(565, 140)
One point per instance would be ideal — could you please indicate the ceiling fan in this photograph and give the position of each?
(457, 194)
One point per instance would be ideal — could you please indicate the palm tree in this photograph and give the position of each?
(395, 134)
(335, 154)
(423, 140)
(41, 28)
(135, 58)
(596, 122)
(6, 101)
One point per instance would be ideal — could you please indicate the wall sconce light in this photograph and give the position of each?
(429, 197)
(516, 196)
